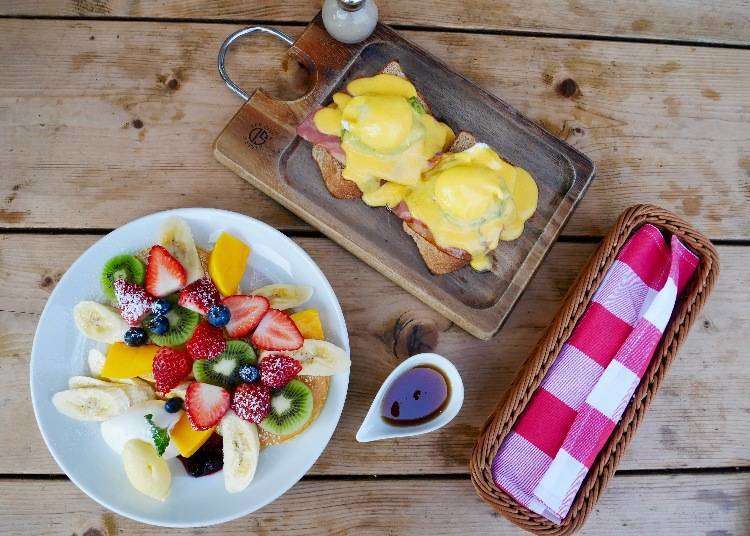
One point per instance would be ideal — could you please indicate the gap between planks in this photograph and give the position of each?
(400, 27)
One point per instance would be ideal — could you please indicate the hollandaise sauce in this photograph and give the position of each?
(473, 199)
(386, 134)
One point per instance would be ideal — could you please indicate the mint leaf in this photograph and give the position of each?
(414, 101)
(159, 435)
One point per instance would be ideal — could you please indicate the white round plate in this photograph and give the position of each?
(60, 351)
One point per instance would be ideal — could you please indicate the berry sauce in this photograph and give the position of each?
(207, 460)
(418, 395)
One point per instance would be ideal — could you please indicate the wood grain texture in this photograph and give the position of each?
(141, 105)
(727, 21)
(700, 418)
(632, 505)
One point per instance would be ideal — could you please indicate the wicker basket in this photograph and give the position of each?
(534, 369)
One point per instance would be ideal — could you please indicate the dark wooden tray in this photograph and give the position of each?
(260, 144)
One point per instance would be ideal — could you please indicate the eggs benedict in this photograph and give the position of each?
(378, 140)
(469, 201)
(382, 133)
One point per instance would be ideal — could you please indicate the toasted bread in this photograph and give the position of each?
(332, 169)
(438, 260)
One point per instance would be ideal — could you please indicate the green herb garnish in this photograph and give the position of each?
(414, 101)
(159, 435)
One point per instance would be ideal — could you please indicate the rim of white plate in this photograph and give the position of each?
(337, 319)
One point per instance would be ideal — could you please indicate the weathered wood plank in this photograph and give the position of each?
(110, 112)
(692, 20)
(701, 417)
(657, 504)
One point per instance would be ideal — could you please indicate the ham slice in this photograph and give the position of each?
(307, 130)
(402, 211)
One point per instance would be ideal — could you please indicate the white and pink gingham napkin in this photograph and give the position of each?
(544, 459)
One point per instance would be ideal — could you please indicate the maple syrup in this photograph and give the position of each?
(416, 396)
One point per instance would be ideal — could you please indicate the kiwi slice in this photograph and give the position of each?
(121, 267)
(182, 324)
(291, 408)
(223, 370)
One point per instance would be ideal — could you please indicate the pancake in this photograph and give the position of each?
(319, 386)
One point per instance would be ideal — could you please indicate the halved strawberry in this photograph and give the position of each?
(164, 273)
(276, 331)
(207, 341)
(252, 402)
(133, 301)
(205, 404)
(170, 367)
(200, 295)
(246, 312)
(277, 369)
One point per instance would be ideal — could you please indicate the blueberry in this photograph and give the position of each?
(219, 316)
(159, 324)
(249, 373)
(136, 337)
(173, 405)
(161, 307)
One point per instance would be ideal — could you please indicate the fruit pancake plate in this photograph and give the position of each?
(60, 351)
(261, 145)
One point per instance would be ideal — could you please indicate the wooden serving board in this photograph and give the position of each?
(260, 144)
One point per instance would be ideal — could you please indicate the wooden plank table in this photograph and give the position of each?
(107, 112)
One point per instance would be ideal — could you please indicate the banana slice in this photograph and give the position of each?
(137, 390)
(96, 361)
(99, 322)
(91, 403)
(179, 391)
(241, 450)
(147, 472)
(283, 296)
(78, 382)
(175, 235)
(321, 358)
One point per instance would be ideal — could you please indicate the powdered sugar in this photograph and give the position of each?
(133, 300)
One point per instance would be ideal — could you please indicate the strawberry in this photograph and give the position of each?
(246, 312)
(205, 404)
(252, 402)
(200, 295)
(170, 367)
(133, 300)
(276, 331)
(276, 370)
(206, 342)
(164, 273)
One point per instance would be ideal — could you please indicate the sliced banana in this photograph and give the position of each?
(321, 358)
(148, 377)
(147, 472)
(241, 450)
(78, 382)
(137, 390)
(175, 235)
(99, 322)
(282, 296)
(92, 403)
(96, 361)
(179, 391)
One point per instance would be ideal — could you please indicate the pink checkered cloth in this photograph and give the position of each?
(544, 459)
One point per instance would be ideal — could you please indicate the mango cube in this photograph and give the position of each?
(308, 324)
(227, 262)
(186, 439)
(125, 361)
